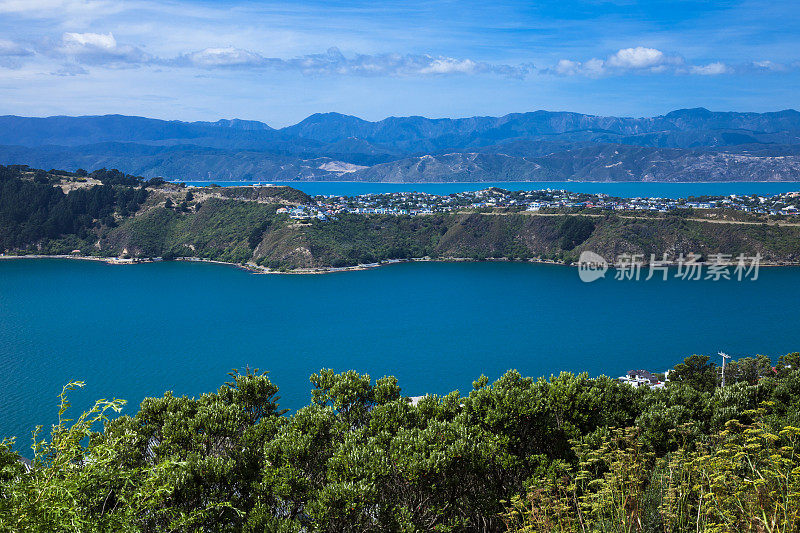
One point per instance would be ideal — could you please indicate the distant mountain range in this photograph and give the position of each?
(684, 145)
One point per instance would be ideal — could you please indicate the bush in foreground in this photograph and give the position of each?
(567, 453)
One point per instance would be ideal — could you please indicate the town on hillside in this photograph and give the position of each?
(546, 200)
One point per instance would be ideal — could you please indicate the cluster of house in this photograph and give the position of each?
(417, 203)
(304, 212)
(781, 204)
(398, 204)
(643, 378)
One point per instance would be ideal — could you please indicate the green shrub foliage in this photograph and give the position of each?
(568, 453)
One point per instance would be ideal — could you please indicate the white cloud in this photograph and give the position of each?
(448, 65)
(624, 60)
(220, 57)
(594, 67)
(104, 50)
(103, 41)
(712, 69)
(333, 62)
(650, 60)
(637, 58)
(85, 49)
(99, 49)
(565, 67)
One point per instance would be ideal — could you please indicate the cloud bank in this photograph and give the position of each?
(99, 49)
(639, 59)
(334, 62)
(78, 51)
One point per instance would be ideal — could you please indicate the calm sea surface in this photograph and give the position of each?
(622, 190)
(138, 330)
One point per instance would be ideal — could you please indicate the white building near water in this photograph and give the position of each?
(641, 378)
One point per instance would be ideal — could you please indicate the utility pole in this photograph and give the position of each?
(724, 357)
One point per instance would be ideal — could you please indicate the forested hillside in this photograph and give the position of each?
(111, 214)
(568, 453)
(34, 209)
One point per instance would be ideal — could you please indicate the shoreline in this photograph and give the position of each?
(257, 269)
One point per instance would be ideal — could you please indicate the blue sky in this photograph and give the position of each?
(281, 61)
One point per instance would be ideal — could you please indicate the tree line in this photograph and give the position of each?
(33, 209)
(568, 453)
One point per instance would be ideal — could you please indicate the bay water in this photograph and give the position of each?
(131, 331)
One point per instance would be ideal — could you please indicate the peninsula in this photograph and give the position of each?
(110, 214)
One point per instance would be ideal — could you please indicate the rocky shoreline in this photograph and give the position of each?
(257, 269)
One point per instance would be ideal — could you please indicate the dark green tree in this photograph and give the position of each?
(696, 371)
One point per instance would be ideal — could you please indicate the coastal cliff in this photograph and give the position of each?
(252, 233)
(112, 216)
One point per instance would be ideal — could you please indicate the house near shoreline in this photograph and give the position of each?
(641, 378)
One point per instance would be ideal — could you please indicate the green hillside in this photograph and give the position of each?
(111, 214)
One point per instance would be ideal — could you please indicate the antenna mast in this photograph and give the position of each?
(724, 357)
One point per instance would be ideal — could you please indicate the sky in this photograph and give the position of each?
(279, 62)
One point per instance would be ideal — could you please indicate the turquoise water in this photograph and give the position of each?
(137, 330)
(621, 190)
